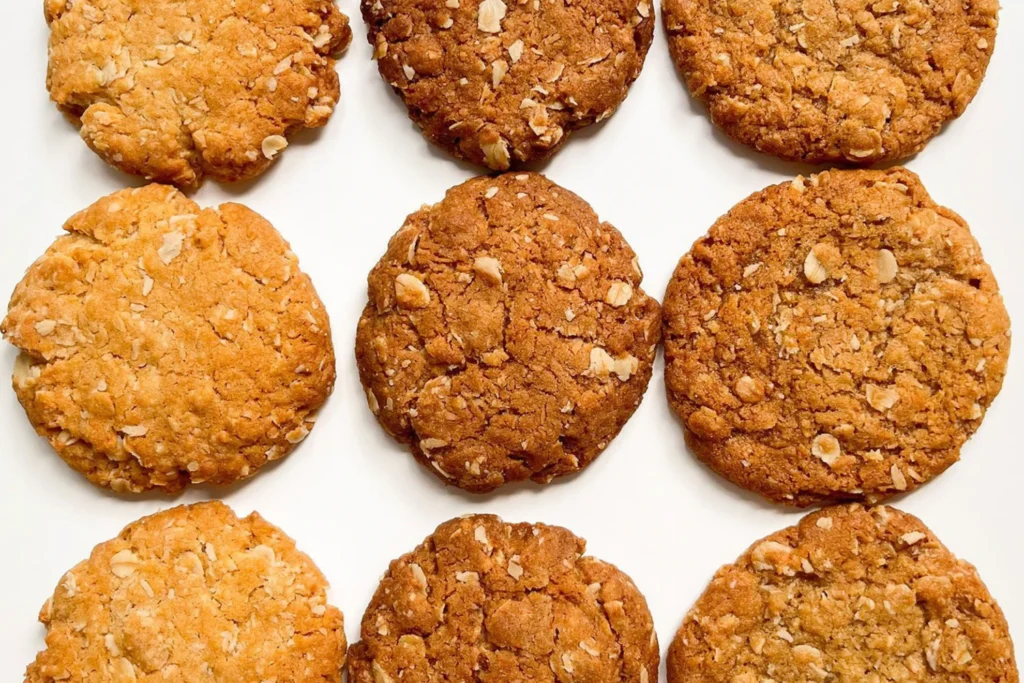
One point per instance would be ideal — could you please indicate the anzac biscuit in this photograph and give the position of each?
(481, 600)
(838, 337)
(500, 84)
(176, 90)
(163, 344)
(192, 594)
(821, 81)
(847, 595)
(506, 335)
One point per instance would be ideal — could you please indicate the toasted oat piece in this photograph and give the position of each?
(192, 594)
(821, 81)
(834, 338)
(506, 336)
(517, 601)
(502, 83)
(176, 90)
(164, 344)
(846, 595)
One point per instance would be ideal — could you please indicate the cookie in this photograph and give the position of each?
(846, 595)
(506, 336)
(163, 344)
(834, 338)
(501, 84)
(820, 81)
(178, 90)
(481, 600)
(192, 593)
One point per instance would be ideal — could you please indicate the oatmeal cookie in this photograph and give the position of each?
(822, 81)
(506, 335)
(503, 84)
(847, 595)
(192, 594)
(837, 337)
(481, 600)
(163, 344)
(176, 90)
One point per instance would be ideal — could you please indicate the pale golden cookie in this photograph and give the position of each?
(826, 81)
(481, 600)
(504, 83)
(192, 594)
(176, 90)
(164, 344)
(506, 335)
(837, 337)
(848, 595)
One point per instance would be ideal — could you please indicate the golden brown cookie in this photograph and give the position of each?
(500, 84)
(176, 90)
(506, 335)
(824, 81)
(837, 337)
(847, 595)
(192, 594)
(481, 600)
(163, 344)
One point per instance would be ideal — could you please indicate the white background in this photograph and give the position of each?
(352, 498)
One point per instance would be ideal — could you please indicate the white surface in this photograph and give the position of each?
(352, 498)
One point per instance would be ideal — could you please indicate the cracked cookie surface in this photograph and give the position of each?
(501, 84)
(506, 336)
(164, 344)
(838, 337)
(846, 595)
(825, 81)
(482, 600)
(177, 90)
(189, 594)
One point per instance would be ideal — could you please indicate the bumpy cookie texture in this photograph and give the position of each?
(500, 84)
(175, 90)
(837, 337)
(481, 600)
(847, 595)
(506, 335)
(164, 344)
(192, 594)
(826, 81)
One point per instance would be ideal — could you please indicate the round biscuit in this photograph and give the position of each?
(834, 338)
(506, 335)
(163, 344)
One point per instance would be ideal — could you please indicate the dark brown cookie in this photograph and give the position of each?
(506, 336)
(837, 337)
(847, 595)
(502, 84)
(825, 81)
(481, 600)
